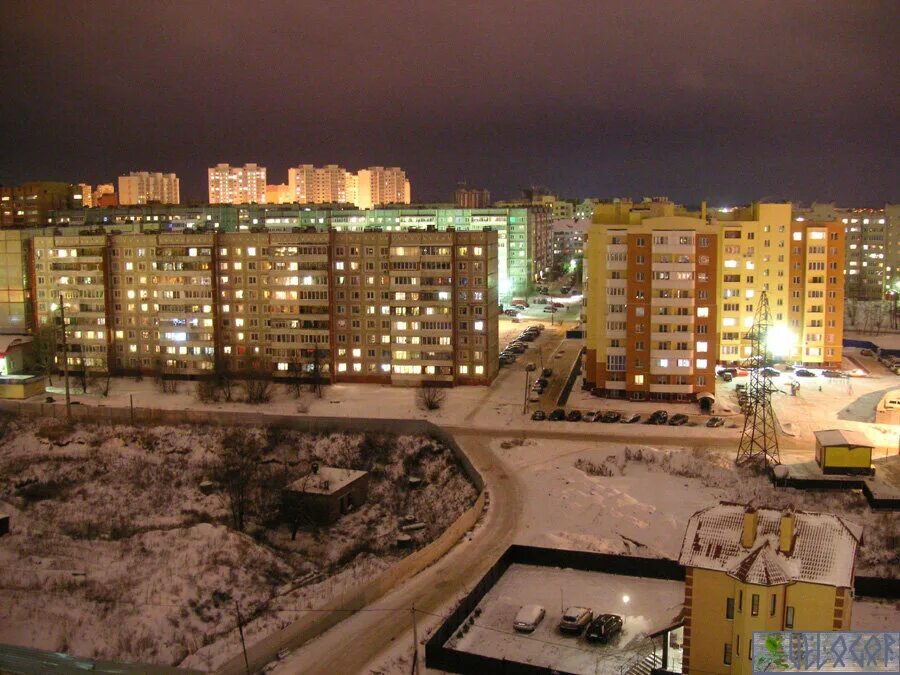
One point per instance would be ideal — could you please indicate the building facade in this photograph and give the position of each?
(310, 184)
(524, 232)
(754, 569)
(29, 204)
(237, 184)
(380, 186)
(143, 187)
(472, 198)
(651, 304)
(370, 306)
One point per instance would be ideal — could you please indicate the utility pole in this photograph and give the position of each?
(240, 624)
(415, 663)
(62, 318)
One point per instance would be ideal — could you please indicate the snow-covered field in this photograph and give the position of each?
(115, 552)
(645, 605)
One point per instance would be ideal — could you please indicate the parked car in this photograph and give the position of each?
(611, 416)
(557, 415)
(517, 347)
(658, 417)
(535, 396)
(678, 420)
(590, 416)
(564, 290)
(511, 312)
(573, 416)
(734, 372)
(528, 617)
(544, 289)
(859, 372)
(715, 422)
(520, 301)
(550, 309)
(557, 305)
(539, 327)
(547, 372)
(604, 628)
(630, 418)
(575, 620)
(526, 337)
(596, 391)
(803, 372)
(543, 381)
(866, 352)
(538, 415)
(832, 373)
(770, 372)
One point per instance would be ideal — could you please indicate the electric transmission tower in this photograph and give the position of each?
(759, 441)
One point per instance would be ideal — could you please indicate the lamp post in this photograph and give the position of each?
(62, 320)
(529, 368)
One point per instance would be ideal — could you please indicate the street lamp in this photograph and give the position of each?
(529, 368)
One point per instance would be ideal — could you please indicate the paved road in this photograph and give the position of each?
(351, 644)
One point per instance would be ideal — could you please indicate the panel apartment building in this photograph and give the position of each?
(524, 244)
(372, 306)
(799, 263)
(651, 296)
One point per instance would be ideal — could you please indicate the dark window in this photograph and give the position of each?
(726, 657)
(774, 603)
(754, 605)
(740, 601)
(729, 608)
(789, 617)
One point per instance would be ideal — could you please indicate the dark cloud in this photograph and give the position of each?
(728, 100)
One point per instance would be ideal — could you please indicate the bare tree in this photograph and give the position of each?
(42, 355)
(207, 391)
(430, 396)
(238, 470)
(99, 382)
(315, 370)
(166, 383)
(223, 379)
(257, 382)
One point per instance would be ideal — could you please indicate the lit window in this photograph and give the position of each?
(639, 379)
(342, 367)
(702, 347)
(464, 370)
(703, 311)
(479, 325)
(701, 363)
(357, 353)
(479, 370)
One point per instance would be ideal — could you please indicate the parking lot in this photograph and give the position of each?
(645, 605)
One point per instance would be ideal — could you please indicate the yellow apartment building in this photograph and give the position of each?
(750, 569)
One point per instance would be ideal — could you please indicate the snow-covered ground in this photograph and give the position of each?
(645, 605)
(115, 551)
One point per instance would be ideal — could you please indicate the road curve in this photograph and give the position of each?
(361, 637)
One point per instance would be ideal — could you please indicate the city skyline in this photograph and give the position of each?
(736, 103)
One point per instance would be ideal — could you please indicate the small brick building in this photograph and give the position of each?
(325, 494)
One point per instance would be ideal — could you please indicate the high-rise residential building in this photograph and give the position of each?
(763, 249)
(279, 194)
(105, 196)
(568, 240)
(524, 247)
(29, 204)
(749, 570)
(380, 186)
(14, 282)
(237, 184)
(651, 310)
(86, 193)
(585, 210)
(892, 247)
(472, 198)
(310, 184)
(143, 187)
(398, 307)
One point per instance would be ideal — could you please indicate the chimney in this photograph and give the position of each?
(786, 532)
(751, 520)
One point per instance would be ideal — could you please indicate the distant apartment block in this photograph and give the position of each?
(279, 194)
(105, 196)
(237, 184)
(568, 240)
(29, 204)
(333, 184)
(472, 198)
(397, 307)
(380, 186)
(84, 195)
(524, 248)
(651, 303)
(142, 187)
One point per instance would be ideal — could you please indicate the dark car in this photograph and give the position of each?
(832, 373)
(631, 418)
(597, 391)
(678, 420)
(564, 290)
(803, 372)
(573, 416)
(543, 381)
(527, 337)
(547, 372)
(770, 372)
(611, 416)
(511, 312)
(658, 417)
(604, 628)
(557, 415)
(538, 415)
(715, 422)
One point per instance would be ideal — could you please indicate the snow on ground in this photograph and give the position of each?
(645, 605)
(115, 552)
(868, 614)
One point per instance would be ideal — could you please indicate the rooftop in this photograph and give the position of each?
(843, 437)
(326, 480)
(823, 546)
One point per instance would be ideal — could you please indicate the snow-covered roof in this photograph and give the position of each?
(823, 546)
(569, 225)
(326, 480)
(7, 342)
(843, 437)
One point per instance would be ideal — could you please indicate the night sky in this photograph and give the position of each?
(728, 101)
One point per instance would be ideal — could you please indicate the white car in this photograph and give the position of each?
(528, 618)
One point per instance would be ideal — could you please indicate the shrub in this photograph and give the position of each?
(592, 469)
(430, 396)
(258, 390)
(55, 432)
(207, 391)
